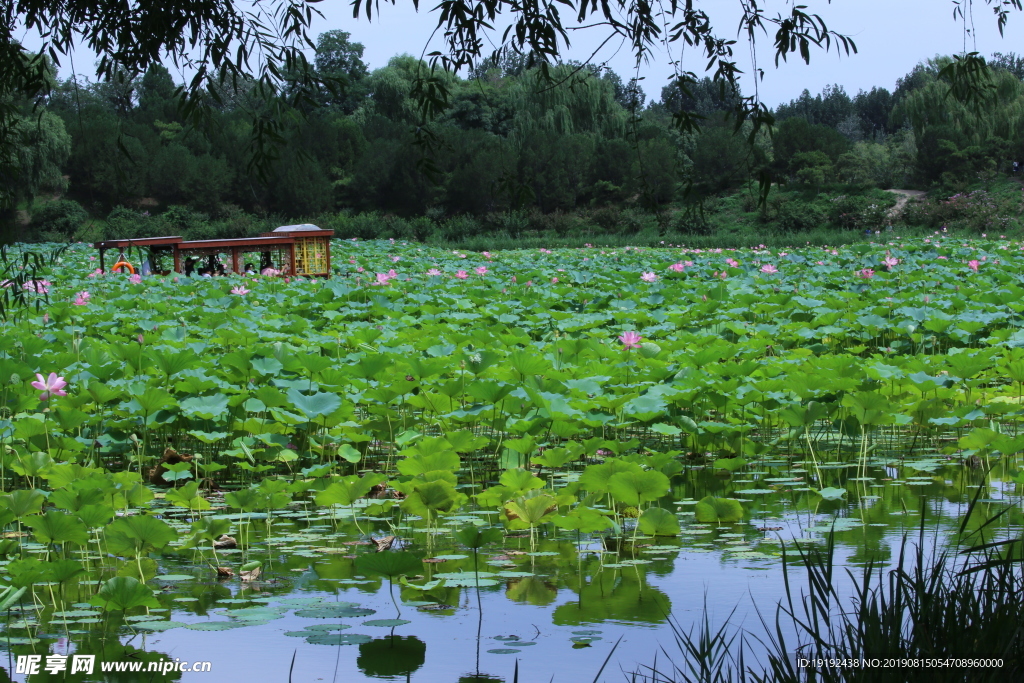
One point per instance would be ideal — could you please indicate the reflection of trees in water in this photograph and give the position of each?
(391, 656)
(531, 590)
(618, 594)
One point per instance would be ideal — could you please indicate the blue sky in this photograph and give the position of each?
(891, 35)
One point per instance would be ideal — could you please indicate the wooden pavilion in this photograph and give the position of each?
(290, 250)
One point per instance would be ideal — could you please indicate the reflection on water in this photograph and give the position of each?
(555, 607)
(391, 657)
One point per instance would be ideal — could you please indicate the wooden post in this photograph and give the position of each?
(102, 250)
(234, 261)
(177, 258)
(291, 260)
(327, 245)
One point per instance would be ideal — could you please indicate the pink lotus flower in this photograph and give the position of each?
(37, 286)
(486, 254)
(240, 290)
(50, 386)
(462, 275)
(890, 262)
(433, 272)
(481, 270)
(732, 263)
(769, 268)
(649, 277)
(396, 259)
(973, 265)
(82, 298)
(135, 279)
(630, 340)
(677, 267)
(866, 273)
(554, 280)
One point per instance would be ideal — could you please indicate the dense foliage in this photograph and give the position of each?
(553, 404)
(509, 152)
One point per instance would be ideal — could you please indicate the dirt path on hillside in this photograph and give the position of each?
(904, 196)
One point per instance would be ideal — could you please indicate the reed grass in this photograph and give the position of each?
(931, 605)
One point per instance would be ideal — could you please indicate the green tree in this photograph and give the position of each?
(796, 135)
(157, 95)
(957, 139)
(42, 147)
(340, 63)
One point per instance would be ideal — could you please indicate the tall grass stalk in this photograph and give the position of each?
(931, 605)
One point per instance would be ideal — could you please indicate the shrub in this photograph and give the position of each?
(125, 223)
(792, 214)
(458, 228)
(62, 218)
(181, 220)
(691, 221)
(857, 212)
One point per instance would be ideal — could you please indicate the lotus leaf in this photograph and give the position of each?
(720, 510)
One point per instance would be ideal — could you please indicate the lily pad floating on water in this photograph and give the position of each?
(301, 602)
(832, 493)
(334, 611)
(160, 625)
(386, 623)
(328, 627)
(504, 651)
(215, 625)
(256, 613)
(587, 633)
(338, 639)
(175, 577)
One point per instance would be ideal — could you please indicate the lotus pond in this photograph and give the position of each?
(566, 445)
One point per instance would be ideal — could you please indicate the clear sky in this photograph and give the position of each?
(891, 36)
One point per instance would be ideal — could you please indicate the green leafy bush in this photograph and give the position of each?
(60, 218)
(125, 223)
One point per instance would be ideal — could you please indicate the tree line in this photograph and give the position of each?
(516, 136)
